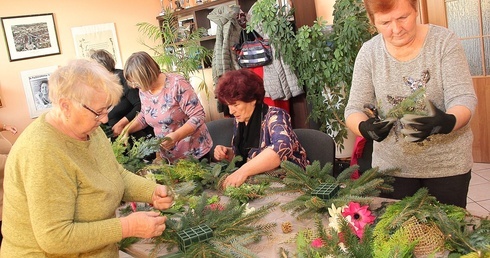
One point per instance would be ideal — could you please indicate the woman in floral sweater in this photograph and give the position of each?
(262, 135)
(170, 105)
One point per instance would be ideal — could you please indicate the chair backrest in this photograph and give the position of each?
(221, 132)
(318, 145)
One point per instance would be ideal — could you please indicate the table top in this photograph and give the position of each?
(267, 247)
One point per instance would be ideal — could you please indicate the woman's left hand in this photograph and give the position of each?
(163, 197)
(169, 142)
(236, 179)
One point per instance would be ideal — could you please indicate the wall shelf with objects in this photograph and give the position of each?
(196, 16)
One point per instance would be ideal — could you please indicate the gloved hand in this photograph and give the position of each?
(372, 129)
(418, 128)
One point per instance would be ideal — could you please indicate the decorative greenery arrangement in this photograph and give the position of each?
(414, 226)
(326, 62)
(458, 231)
(348, 234)
(173, 52)
(230, 222)
(234, 226)
(389, 231)
(370, 184)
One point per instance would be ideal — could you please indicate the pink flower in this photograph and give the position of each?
(359, 217)
(215, 206)
(134, 206)
(317, 243)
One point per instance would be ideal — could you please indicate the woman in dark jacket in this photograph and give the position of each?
(262, 135)
(128, 106)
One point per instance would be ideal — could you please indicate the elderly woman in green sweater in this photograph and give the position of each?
(62, 181)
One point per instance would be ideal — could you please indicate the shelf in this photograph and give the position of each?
(198, 16)
(213, 37)
(207, 5)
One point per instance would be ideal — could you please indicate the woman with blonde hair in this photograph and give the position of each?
(171, 107)
(63, 183)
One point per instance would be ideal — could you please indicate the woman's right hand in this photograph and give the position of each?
(143, 224)
(221, 152)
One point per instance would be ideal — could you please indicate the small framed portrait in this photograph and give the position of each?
(36, 89)
(30, 36)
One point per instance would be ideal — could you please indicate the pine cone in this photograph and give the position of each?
(287, 227)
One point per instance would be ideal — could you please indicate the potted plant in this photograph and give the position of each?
(174, 48)
(327, 57)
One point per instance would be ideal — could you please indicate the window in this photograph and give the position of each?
(470, 20)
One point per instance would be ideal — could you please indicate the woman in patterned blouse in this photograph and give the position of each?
(170, 105)
(262, 135)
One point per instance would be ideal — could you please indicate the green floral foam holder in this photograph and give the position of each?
(194, 235)
(326, 191)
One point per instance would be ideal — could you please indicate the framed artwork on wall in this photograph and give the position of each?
(30, 36)
(36, 89)
(94, 37)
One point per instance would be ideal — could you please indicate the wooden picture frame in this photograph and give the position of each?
(30, 36)
(94, 37)
(36, 89)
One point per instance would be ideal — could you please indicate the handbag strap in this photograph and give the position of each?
(244, 36)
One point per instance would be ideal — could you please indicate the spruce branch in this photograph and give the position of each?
(362, 190)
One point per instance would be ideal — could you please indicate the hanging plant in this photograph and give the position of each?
(322, 59)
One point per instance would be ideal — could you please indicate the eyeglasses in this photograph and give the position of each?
(97, 114)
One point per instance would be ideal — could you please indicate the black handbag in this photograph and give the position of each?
(253, 53)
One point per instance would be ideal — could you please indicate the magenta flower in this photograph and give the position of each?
(134, 206)
(317, 243)
(359, 217)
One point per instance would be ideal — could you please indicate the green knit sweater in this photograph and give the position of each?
(61, 195)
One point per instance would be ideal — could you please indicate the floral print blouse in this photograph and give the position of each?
(277, 134)
(177, 104)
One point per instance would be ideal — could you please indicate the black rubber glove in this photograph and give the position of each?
(418, 128)
(373, 130)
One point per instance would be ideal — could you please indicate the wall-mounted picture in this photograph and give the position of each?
(93, 37)
(30, 36)
(36, 89)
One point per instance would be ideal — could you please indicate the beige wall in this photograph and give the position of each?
(324, 9)
(68, 14)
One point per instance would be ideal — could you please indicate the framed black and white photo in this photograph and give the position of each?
(30, 36)
(36, 89)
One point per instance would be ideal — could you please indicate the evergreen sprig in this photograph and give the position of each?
(132, 156)
(246, 192)
(362, 190)
(233, 228)
(413, 104)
